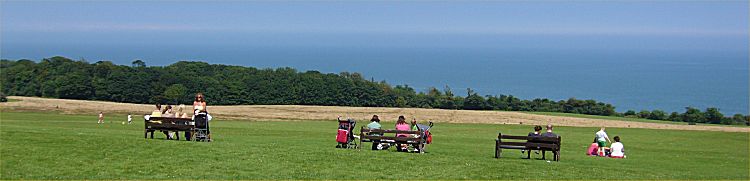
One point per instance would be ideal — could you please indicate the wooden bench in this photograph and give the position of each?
(168, 124)
(529, 143)
(368, 135)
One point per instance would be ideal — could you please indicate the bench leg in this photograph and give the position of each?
(177, 134)
(554, 156)
(152, 134)
(543, 158)
(497, 149)
(145, 134)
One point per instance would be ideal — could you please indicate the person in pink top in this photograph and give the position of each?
(592, 148)
(401, 125)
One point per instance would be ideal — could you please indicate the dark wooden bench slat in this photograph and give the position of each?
(365, 130)
(162, 117)
(512, 147)
(543, 139)
(391, 138)
(542, 146)
(514, 143)
(531, 138)
(528, 145)
(514, 137)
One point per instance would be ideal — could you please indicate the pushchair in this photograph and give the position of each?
(345, 135)
(426, 135)
(201, 131)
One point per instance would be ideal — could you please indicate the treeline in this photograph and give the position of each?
(60, 77)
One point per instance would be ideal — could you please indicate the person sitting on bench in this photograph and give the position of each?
(167, 112)
(549, 132)
(181, 112)
(157, 111)
(414, 127)
(401, 125)
(375, 124)
(617, 150)
(537, 132)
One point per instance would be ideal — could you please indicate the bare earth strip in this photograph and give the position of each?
(297, 112)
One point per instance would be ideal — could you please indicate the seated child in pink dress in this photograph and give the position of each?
(592, 148)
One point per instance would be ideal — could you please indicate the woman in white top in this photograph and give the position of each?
(199, 103)
(617, 149)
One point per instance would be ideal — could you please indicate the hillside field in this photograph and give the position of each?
(50, 145)
(309, 112)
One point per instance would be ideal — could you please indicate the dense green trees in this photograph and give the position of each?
(60, 77)
(713, 115)
(693, 115)
(657, 115)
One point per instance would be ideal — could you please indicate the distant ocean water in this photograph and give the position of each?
(635, 79)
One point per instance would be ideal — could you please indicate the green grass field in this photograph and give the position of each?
(56, 146)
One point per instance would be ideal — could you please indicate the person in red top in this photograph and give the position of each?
(592, 148)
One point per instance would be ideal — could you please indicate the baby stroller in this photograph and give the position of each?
(426, 135)
(201, 130)
(345, 136)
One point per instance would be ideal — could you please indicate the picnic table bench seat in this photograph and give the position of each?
(528, 143)
(379, 135)
(168, 124)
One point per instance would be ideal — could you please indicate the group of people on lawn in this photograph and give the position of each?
(199, 105)
(401, 125)
(599, 146)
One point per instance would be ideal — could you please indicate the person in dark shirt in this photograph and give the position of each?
(537, 131)
(549, 132)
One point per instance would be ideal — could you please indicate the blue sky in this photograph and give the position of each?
(369, 23)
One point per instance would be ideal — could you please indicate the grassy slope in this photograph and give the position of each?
(54, 146)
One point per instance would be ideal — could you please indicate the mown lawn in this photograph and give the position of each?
(56, 146)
